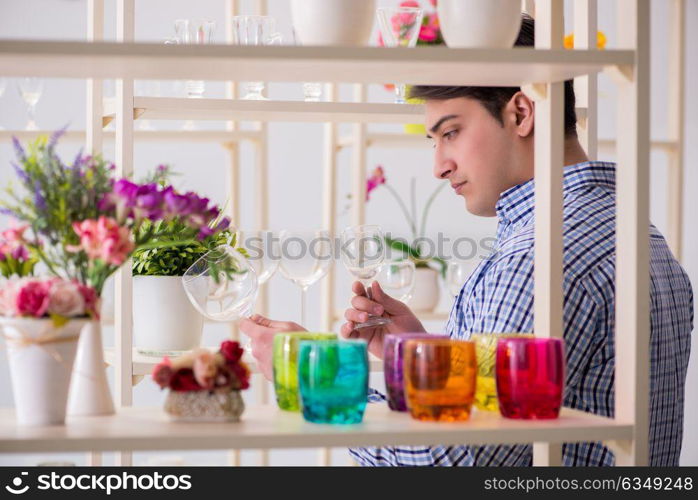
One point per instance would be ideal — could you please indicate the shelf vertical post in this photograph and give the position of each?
(329, 211)
(586, 87)
(677, 54)
(123, 324)
(358, 164)
(549, 162)
(632, 335)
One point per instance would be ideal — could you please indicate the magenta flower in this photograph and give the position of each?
(33, 298)
(376, 179)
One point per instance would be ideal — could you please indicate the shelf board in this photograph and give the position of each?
(136, 429)
(219, 136)
(420, 65)
(143, 365)
(423, 316)
(170, 108)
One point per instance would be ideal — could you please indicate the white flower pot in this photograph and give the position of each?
(479, 23)
(333, 22)
(41, 360)
(163, 318)
(425, 296)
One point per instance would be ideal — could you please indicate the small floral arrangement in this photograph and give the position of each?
(413, 250)
(15, 256)
(48, 297)
(202, 370)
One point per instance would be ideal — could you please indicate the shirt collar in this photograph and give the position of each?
(515, 205)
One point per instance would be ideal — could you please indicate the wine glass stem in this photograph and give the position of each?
(31, 111)
(304, 290)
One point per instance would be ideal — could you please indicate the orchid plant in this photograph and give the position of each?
(412, 251)
(86, 223)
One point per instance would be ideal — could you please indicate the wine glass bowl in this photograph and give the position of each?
(30, 89)
(397, 279)
(222, 284)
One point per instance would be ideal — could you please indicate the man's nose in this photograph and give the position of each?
(443, 167)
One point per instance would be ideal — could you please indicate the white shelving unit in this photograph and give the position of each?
(540, 71)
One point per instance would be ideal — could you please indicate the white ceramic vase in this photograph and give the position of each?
(89, 388)
(425, 296)
(41, 360)
(333, 22)
(479, 23)
(163, 318)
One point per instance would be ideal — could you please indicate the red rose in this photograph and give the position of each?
(242, 374)
(231, 351)
(183, 380)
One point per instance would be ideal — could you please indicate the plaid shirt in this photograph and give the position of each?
(498, 297)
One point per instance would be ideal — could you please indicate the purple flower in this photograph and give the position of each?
(204, 232)
(23, 176)
(148, 203)
(39, 199)
(20, 253)
(55, 136)
(19, 150)
(176, 204)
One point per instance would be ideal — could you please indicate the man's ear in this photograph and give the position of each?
(520, 110)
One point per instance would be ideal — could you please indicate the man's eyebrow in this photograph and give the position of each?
(441, 121)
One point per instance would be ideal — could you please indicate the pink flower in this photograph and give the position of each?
(15, 234)
(427, 33)
(433, 3)
(103, 239)
(65, 299)
(8, 298)
(32, 298)
(205, 368)
(410, 3)
(92, 302)
(162, 373)
(376, 179)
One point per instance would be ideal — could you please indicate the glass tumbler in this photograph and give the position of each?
(530, 377)
(486, 351)
(393, 357)
(285, 364)
(333, 380)
(440, 377)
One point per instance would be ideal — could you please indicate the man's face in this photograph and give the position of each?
(472, 151)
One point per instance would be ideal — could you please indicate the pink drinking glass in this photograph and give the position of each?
(530, 377)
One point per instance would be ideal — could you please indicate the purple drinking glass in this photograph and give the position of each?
(393, 344)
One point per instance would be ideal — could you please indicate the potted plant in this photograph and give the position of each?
(426, 290)
(164, 321)
(204, 386)
(42, 319)
(86, 224)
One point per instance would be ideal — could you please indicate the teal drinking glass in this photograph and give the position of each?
(333, 380)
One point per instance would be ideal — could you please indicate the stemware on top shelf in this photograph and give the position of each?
(31, 88)
(399, 27)
(363, 253)
(255, 30)
(306, 257)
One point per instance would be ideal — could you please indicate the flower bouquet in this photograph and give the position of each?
(15, 257)
(86, 223)
(205, 386)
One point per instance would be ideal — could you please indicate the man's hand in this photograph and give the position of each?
(381, 304)
(261, 331)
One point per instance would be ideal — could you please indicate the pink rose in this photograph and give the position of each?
(65, 299)
(92, 302)
(33, 298)
(205, 368)
(8, 298)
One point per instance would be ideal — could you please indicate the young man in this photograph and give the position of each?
(483, 146)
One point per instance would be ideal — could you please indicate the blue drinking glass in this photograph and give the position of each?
(333, 380)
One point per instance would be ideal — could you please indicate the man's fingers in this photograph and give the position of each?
(367, 305)
(355, 316)
(346, 329)
(358, 288)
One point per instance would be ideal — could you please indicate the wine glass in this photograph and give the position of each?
(397, 279)
(305, 258)
(312, 91)
(194, 32)
(255, 30)
(456, 274)
(30, 89)
(221, 285)
(363, 253)
(399, 27)
(263, 250)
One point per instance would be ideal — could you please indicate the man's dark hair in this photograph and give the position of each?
(495, 98)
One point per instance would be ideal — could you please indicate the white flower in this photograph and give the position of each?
(66, 300)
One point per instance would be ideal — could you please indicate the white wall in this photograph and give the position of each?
(295, 167)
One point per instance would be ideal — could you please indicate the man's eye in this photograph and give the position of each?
(450, 134)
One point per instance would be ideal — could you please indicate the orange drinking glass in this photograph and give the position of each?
(440, 378)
